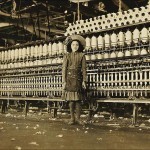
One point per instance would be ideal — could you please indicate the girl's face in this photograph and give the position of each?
(74, 46)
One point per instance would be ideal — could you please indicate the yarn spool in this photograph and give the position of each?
(28, 51)
(13, 54)
(93, 57)
(44, 62)
(113, 55)
(105, 55)
(59, 60)
(9, 54)
(2, 66)
(24, 52)
(144, 35)
(113, 39)
(26, 63)
(94, 42)
(23, 64)
(136, 36)
(143, 51)
(16, 65)
(45, 49)
(36, 52)
(16, 53)
(35, 63)
(128, 37)
(19, 53)
(135, 52)
(120, 54)
(54, 48)
(127, 53)
(49, 49)
(60, 47)
(8, 65)
(107, 40)
(33, 51)
(88, 43)
(87, 57)
(100, 41)
(5, 66)
(54, 60)
(99, 56)
(6, 55)
(30, 63)
(49, 61)
(39, 62)
(40, 50)
(3, 53)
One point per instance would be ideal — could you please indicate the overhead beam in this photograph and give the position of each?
(37, 30)
(42, 27)
(124, 6)
(30, 29)
(13, 16)
(10, 36)
(7, 16)
(4, 24)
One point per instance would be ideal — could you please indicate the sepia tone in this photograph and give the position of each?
(74, 74)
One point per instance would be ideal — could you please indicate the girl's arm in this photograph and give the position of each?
(84, 68)
(64, 68)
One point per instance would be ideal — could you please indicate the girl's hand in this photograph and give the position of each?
(64, 86)
(84, 85)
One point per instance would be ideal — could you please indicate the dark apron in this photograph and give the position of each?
(74, 80)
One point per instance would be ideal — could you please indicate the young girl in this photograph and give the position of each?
(74, 75)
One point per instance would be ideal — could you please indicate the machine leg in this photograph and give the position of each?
(26, 107)
(54, 110)
(48, 109)
(55, 113)
(135, 114)
(4, 106)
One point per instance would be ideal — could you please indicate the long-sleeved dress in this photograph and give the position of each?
(73, 73)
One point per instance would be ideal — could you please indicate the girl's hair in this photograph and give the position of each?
(81, 48)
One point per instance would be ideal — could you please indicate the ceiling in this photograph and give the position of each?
(23, 21)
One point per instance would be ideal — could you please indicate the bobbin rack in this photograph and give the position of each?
(118, 63)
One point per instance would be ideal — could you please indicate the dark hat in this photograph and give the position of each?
(71, 38)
